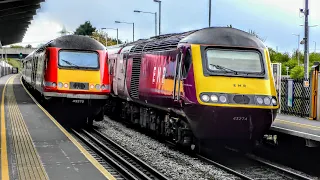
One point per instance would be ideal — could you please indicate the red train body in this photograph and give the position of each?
(73, 69)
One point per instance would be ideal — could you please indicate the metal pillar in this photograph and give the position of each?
(306, 40)
(133, 32)
(159, 17)
(155, 23)
(117, 37)
(209, 13)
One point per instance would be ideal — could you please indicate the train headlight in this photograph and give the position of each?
(205, 98)
(266, 101)
(60, 85)
(54, 84)
(214, 98)
(65, 85)
(259, 100)
(274, 101)
(91, 86)
(223, 99)
(98, 86)
(103, 87)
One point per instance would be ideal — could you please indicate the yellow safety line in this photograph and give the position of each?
(4, 152)
(28, 161)
(72, 139)
(298, 124)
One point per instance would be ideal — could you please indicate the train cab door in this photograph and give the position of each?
(112, 70)
(34, 70)
(121, 73)
(177, 78)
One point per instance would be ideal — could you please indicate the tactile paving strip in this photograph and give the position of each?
(28, 161)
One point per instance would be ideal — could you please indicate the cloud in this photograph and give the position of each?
(275, 20)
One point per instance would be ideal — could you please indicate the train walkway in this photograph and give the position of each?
(297, 126)
(34, 145)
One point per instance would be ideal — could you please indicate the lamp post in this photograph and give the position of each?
(155, 18)
(132, 27)
(158, 1)
(106, 36)
(117, 33)
(298, 53)
(315, 46)
(305, 40)
(209, 13)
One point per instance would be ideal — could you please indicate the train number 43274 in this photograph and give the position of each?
(240, 118)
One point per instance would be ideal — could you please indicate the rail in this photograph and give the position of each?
(122, 160)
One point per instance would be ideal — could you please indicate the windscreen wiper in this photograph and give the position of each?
(70, 63)
(224, 68)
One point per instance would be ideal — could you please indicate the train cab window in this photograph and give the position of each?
(78, 59)
(234, 61)
(186, 64)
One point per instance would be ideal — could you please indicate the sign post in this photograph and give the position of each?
(276, 72)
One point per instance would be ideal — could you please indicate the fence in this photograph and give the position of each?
(301, 98)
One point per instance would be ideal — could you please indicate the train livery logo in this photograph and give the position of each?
(158, 75)
(240, 85)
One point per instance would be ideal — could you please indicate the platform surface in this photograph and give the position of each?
(34, 145)
(297, 126)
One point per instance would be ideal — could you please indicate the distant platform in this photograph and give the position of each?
(297, 126)
(34, 145)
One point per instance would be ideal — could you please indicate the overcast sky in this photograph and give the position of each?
(274, 20)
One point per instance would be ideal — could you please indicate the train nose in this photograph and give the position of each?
(225, 123)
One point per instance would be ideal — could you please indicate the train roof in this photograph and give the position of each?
(72, 42)
(76, 42)
(224, 36)
(220, 36)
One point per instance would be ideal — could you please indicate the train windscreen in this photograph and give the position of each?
(78, 59)
(239, 61)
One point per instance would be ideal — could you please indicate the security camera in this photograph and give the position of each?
(301, 10)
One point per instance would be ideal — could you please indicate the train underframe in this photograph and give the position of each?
(168, 125)
(161, 123)
(78, 111)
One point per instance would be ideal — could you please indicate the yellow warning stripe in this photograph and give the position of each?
(29, 165)
(72, 139)
(4, 151)
(317, 128)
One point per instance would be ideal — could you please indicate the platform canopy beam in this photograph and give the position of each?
(15, 18)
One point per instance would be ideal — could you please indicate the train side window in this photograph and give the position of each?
(186, 64)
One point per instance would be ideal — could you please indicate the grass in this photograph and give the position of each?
(14, 63)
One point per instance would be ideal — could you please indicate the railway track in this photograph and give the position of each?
(247, 166)
(127, 164)
(250, 167)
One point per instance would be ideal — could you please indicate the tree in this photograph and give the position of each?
(15, 46)
(29, 46)
(85, 29)
(102, 39)
(297, 72)
(256, 35)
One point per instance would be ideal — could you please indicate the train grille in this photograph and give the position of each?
(79, 85)
(241, 99)
(134, 85)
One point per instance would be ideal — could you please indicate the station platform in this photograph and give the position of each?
(34, 145)
(297, 126)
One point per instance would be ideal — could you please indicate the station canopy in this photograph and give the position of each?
(15, 17)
